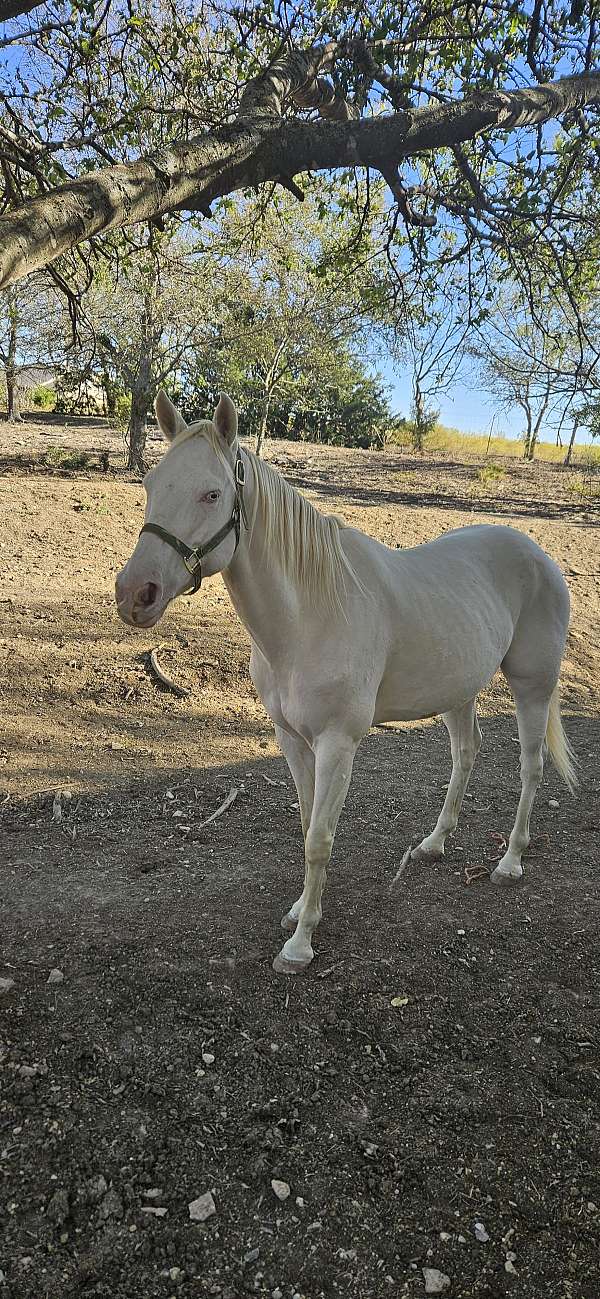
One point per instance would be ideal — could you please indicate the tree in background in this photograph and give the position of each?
(545, 363)
(146, 325)
(292, 325)
(31, 338)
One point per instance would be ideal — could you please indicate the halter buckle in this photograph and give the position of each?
(193, 563)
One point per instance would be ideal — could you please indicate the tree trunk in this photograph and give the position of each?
(12, 402)
(144, 384)
(538, 423)
(260, 146)
(262, 424)
(419, 420)
(527, 439)
(568, 457)
(141, 401)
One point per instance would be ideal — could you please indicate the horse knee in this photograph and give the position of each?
(466, 756)
(318, 846)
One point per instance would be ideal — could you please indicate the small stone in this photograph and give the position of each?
(154, 1210)
(6, 985)
(202, 1208)
(97, 1187)
(208, 1057)
(462, 1240)
(55, 976)
(445, 1235)
(435, 1281)
(281, 1189)
(591, 1206)
(510, 1255)
(174, 1273)
(153, 1193)
(58, 1208)
(112, 1205)
(277, 1293)
(27, 1071)
(251, 1256)
(300, 1202)
(510, 1267)
(480, 1233)
(553, 802)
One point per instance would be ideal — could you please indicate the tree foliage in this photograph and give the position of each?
(481, 120)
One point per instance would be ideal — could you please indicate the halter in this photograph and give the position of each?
(193, 556)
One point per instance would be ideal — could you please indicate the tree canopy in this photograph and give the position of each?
(480, 118)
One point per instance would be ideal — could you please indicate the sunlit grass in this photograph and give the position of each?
(452, 442)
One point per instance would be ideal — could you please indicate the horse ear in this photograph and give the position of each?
(225, 419)
(170, 421)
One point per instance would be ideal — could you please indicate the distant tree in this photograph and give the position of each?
(146, 322)
(290, 318)
(31, 337)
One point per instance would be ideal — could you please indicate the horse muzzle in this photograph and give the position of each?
(139, 605)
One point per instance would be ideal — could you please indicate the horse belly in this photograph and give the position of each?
(430, 675)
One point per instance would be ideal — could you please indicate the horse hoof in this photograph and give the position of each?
(421, 854)
(289, 923)
(501, 877)
(281, 965)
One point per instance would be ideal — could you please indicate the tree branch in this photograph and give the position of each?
(16, 7)
(258, 148)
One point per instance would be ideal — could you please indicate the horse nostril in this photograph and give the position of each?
(147, 594)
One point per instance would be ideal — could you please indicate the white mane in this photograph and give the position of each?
(306, 542)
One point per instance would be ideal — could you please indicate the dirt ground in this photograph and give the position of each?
(429, 1091)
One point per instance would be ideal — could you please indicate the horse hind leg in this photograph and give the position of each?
(465, 742)
(532, 707)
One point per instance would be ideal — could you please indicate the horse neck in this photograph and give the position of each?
(264, 597)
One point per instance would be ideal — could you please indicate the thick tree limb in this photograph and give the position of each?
(17, 7)
(258, 148)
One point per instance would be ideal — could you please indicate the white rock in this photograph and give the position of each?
(55, 976)
(154, 1210)
(435, 1281)
(6, 985)
(480, 1233)
(281, 1189)
(553, 802)
(202, 1208)
(208, 1057)
(510, 1267)
(445, 1235)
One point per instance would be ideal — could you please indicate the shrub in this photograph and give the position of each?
(490, 472)
(43, 398)
(67, 458)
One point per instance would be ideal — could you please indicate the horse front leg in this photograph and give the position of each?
(301, 762)
(334, 758)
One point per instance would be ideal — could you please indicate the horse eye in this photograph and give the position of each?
(211, 496)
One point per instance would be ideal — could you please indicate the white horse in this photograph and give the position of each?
(347, 633)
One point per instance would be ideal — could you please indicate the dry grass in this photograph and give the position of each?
(457, 444)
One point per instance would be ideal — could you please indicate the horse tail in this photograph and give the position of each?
(559, 748)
